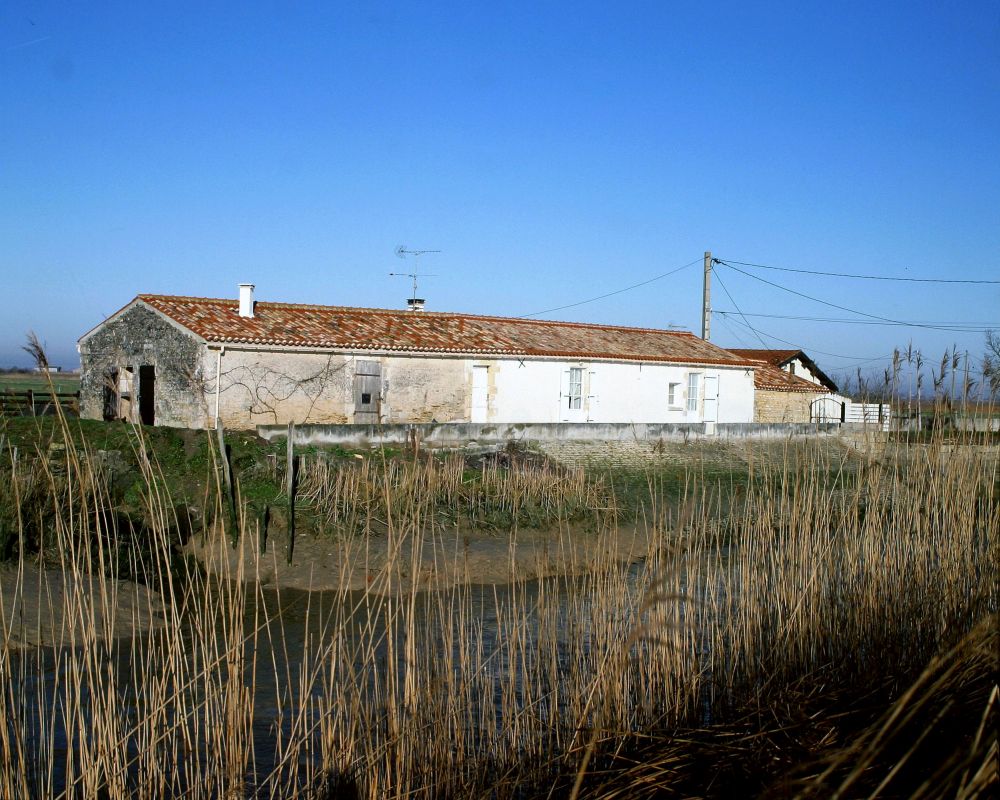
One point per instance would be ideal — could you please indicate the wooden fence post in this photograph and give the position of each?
(290, 481)
(227, 474)
(31, 401)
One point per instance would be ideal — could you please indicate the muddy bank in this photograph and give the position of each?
(434, 559)
(54, 609)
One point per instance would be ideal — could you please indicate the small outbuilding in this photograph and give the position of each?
(187, 361)
(788, 386)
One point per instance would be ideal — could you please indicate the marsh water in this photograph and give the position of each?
(284, 635)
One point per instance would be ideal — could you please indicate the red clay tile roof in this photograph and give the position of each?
(776, 357)
(779, 358)
(771, 378)
(336, 327)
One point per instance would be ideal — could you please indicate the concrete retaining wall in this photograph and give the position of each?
(485, 434)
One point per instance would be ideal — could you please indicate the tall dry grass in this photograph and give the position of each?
(363, 496)
(809, 574)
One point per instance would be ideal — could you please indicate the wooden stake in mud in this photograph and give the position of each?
(227, 474)
(290, 474)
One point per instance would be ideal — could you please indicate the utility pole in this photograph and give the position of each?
(706, 307)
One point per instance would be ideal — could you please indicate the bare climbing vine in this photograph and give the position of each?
(268, 387)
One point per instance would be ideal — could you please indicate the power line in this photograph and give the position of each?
(856, 275)
(731, 300)
(852, 363)
(735, 333)
(800, 346)
(827, 303)
(957, 327)
(612, 294)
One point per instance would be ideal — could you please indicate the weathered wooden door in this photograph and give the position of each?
(110, 395)
(367, 392)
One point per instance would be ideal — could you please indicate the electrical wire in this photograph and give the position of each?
(834, 305)
(731, 300)
(858, 276)
(735, 334)
(957, 327)
(611, 294)
(800, 346)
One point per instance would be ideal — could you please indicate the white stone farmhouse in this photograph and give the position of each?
(187, 361)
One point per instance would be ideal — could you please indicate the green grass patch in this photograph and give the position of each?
(63, 383)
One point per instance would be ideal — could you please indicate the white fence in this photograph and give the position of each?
(836, 408)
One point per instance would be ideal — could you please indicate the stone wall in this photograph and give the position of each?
(489, 434)
(775, 406)
(276, 387)
(423, 389)
(110, 359)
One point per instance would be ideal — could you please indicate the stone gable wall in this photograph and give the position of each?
(143, 337)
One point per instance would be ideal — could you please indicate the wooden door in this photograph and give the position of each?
(367, 392)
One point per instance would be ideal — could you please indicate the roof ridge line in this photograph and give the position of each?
(395, 311)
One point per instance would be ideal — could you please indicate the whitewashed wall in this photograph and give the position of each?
(536, 391)
(275, 387)
(802, 371)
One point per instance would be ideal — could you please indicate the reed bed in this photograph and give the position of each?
(811, 581)
(361, 498)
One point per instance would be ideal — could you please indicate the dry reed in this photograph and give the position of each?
(501, 690)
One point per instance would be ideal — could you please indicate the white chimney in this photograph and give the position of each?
(246, 299)
(416, 303)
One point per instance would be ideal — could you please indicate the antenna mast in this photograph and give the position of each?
(415, 303)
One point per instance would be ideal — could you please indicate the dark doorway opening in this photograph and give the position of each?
(147, 394)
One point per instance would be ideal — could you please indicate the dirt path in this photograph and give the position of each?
(392, 564)
(53, 609)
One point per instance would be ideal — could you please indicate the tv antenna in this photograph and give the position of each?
(403, 252)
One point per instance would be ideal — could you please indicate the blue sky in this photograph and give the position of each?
(552, 152)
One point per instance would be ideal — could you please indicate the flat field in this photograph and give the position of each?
(22, 381)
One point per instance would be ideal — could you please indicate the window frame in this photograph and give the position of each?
(575, 401)
(693, 390)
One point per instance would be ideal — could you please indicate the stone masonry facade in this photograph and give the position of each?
(111, 359)
(777, 406)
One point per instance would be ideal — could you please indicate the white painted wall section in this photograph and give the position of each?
(800, 370)
(522, 390)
